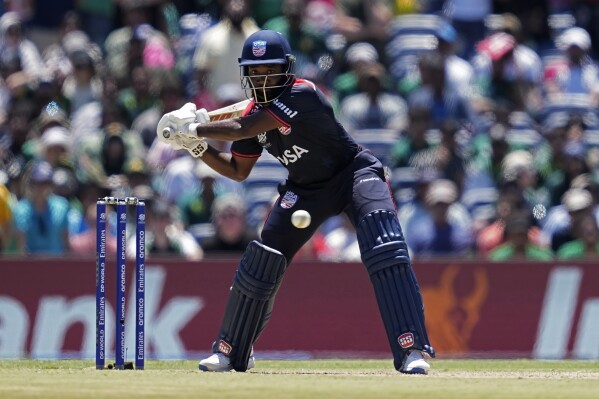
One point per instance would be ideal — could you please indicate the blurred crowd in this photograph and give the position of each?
(485, 113)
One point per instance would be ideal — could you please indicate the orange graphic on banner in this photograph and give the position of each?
(451, 315)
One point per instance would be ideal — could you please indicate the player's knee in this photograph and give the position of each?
(381, 241)
(260, 271)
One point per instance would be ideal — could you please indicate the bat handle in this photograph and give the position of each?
(167, 132)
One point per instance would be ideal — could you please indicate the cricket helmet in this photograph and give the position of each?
(262, 48)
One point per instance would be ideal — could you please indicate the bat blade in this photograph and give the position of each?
(228, 112)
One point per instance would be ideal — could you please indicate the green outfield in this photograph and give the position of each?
(364, 379)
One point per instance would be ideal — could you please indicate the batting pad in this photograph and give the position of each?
(256, 282)
(385, 255)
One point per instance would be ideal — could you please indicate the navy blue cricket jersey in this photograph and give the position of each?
(311, 143)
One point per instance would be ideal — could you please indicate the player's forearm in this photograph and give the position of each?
(238, 128)
(228, 130)
(223, 163)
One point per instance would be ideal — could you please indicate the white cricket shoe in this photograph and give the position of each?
(415, 364)
(221, 363)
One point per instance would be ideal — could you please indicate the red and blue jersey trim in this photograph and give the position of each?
(248, 156)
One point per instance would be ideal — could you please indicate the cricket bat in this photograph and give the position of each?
(228, 112)
(220, 114)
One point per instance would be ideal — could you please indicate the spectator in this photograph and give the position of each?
(459, 72)
(574, 164)
(363, 21)
(413, 147)
(586, 15)
(86, 197)
(45, 18)
(126, 44)
(12, 38)
(15, 132)
(196, 206)
(517, 244)
(527, 21)
(170, 97)
(148, 48)
(578, 204)
(178, 179)
(550, 157)
(137, 173)
(165, 236)
(357, 56)
(414, 200)
(306, 42)
(507, 71)
(50, 117)
(448, 156)
(84, 86)
(575, 73)
(435, 94)
(442, 228)
(468, 17)
(55, 146)
(97, 18)
(88, 120)
(509, 203)
(71, 38)
(586, 242)
(231, 232)
(41, 217)
(139, 96)
(105, 153)
(16, 84)
(518, 170)
(222, 43)
(83, 243)
(10, 64)
(372, 107)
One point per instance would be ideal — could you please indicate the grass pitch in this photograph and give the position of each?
(334, 379)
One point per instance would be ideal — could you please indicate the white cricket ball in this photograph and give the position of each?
(539, 211)
(301, 219)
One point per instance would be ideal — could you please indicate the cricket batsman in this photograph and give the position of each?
(329, 173)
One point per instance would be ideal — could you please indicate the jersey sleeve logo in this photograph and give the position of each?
(263, 140)
(286, 110)
(259, 48)
(284, 130)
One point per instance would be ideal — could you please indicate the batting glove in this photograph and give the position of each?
(182, 121)
(201, 117)
(173, 122)
(196, 146)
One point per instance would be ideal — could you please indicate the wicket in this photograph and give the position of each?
(140, 238)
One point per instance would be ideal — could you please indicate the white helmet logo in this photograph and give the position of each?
(259, 48)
